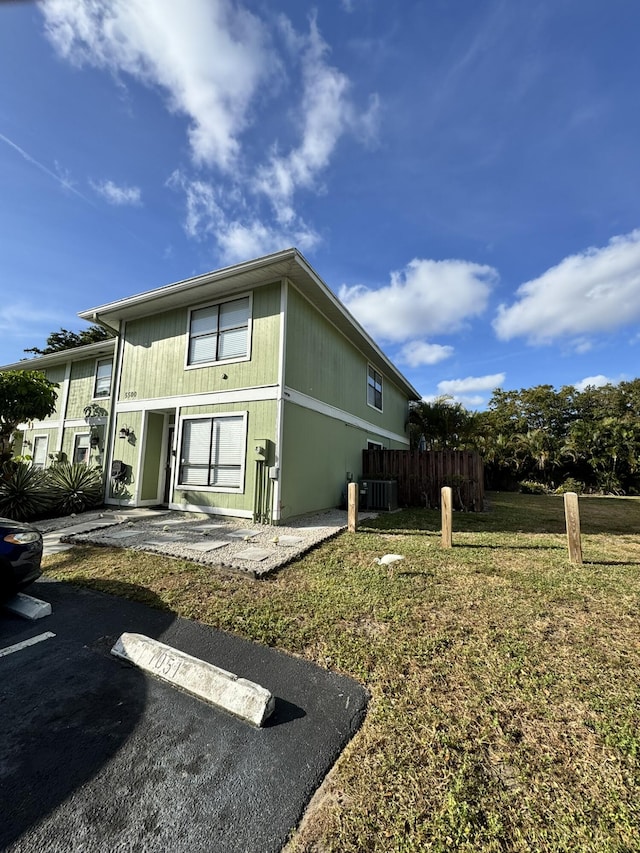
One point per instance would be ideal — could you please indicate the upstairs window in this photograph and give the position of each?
(219, 332)
(103, 378)
(374, 388)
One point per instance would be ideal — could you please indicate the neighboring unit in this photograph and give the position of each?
(249, 391)
(77, 430)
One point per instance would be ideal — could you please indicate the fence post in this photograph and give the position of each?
(352, 507)
(572, 519)
(447, 524)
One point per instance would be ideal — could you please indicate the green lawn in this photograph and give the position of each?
(505, 682)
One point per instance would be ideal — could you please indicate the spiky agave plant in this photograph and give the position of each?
(74, 487)
(24, 492)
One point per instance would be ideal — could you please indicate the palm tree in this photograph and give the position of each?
(441, 424)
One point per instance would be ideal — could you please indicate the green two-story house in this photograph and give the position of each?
(249, 391)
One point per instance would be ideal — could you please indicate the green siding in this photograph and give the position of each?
(155, 349)
(323, 364)
(79, 395)
(153, 456)
(81, 388)
(127, 450)
(261, 423)
(319, 453)
(96, 456)
(55, 374)
(20, 448)
(17, 444)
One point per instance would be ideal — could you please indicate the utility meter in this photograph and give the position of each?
(260, 449)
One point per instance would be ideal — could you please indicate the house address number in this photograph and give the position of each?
(128, 395)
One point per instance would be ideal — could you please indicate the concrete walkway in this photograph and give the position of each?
(233, 544)
(53, 529)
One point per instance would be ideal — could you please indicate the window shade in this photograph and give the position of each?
(212, 451)
(196, 452)
(219, 332)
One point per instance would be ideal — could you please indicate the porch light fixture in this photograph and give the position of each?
(125, 432)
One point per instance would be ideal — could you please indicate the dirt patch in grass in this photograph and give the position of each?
(505, 682)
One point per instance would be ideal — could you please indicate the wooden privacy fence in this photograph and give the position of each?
(421, 474)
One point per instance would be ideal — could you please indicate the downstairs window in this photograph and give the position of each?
(212, 453)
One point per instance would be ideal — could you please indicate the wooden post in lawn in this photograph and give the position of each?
(572, 518)
(447, 524)
(352, 507)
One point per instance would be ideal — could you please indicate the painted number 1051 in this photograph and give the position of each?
(165, 664)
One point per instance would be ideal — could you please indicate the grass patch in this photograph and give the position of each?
(505, 682)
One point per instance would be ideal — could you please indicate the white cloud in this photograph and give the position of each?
(581, 345)
(594, 381)
(203, 212)
(471, 401)
(471, 384)
(470, 392)
(118, 195)
(208, 56)
(212, 59)
(417, 353)
(425, 298)
(238, 234)
(326, 114)
(595, 291)
(241, 240)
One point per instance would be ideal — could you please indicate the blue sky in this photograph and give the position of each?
(463, 173)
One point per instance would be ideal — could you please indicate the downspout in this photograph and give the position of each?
(276, 492)
(63, 407)
(115, 395)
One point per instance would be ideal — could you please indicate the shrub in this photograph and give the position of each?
(74, 488)
(571, 485)
(532, 487)
(23, 492)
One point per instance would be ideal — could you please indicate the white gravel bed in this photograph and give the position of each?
(49, 525)
(235, 544)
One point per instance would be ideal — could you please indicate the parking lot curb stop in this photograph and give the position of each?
(28, 607)
(238, 696)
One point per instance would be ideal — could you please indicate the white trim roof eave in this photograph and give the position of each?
(289, 263)
(63, 356)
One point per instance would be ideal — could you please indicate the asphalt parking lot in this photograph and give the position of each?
(97, 755)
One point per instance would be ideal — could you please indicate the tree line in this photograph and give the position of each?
(544, 438)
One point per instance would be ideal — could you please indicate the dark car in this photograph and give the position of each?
(20, 556)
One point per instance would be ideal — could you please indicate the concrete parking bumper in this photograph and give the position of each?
(28, 607)
(238, 696)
